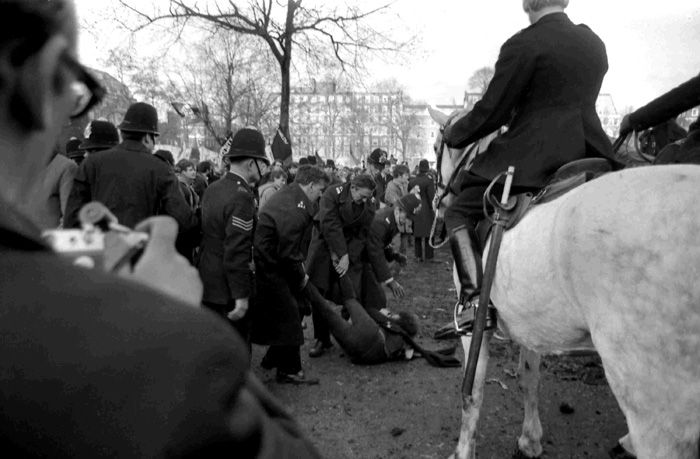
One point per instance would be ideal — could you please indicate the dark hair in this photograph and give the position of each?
(364, 181)
(33, 22)
(400, 170)
(311, 174)
(408, 321)
(204, 167)
(183, 165)
(277, 172)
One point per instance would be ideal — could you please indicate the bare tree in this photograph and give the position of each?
(314, 31)
(479, 81)
(226, 81)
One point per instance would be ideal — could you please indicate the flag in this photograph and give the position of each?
(281, 149)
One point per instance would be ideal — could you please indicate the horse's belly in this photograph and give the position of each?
(527, 290)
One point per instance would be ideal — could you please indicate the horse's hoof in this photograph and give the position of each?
(619, 452)
(520, 455)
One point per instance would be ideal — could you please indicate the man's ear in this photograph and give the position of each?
(32, 81)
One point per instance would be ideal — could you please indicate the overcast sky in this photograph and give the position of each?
(652, 45)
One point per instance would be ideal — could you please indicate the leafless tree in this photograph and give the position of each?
(316, 32)
(479, 81)
(225, 80)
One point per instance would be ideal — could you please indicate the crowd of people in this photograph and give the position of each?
(238, 253)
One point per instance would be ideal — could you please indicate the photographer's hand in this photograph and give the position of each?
(161, 267)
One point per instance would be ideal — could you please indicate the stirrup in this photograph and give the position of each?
(465, 327)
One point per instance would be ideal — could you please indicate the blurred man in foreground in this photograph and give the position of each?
(93, 365)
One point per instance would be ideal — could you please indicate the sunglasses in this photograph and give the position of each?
(87, 90)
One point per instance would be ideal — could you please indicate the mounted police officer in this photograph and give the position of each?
(128, 179)
(375, 165)
(338, 241)
(229, 217)
(545, 85)
(281, 244)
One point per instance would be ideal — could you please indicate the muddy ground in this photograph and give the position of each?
(412, 410)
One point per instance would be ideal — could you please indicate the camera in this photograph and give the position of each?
(101, 242)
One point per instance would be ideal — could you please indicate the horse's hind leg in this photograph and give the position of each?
(466, 447)
(529, 381)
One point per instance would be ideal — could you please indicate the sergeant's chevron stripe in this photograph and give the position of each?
(245, 225)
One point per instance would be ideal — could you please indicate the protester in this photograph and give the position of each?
(422, 223)
(375, 165)
(203, 178)
(545, 85)
(94, 365)
(128, 179)
(292, 172)
(344, 218)
(185, 172)
(99, 135)
(281, 245)
(167, 157)
(276, 180)
(379, 251)
(395, 190)
(229, 216)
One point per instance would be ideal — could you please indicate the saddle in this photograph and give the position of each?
(565, 179)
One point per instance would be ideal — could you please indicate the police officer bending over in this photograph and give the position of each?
(94, 365)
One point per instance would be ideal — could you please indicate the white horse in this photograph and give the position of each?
(612, 265)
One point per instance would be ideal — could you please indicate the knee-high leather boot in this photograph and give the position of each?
(467, 259)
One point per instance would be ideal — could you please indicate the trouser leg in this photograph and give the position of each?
(418, 248)
(428, 250)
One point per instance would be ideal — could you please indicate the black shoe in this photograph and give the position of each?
(319, 348)
(267, 363)
(296, 379)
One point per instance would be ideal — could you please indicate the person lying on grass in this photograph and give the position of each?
(374, 336)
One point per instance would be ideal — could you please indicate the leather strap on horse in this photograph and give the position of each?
(499, 224)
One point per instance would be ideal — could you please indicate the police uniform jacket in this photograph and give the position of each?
(281, 245)
(94, 366)
(132, 183)
(229, 216)
(546, 82)
(423, 220)
(343, 227)
(381, 233)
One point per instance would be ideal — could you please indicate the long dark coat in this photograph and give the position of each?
(132, 183)
(546, 82)
(229, 216)
(423, 220)
(378, 254)
(342, 228)
(281, 244)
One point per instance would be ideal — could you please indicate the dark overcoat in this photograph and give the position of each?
(378, 254)
(132, 183)
(229, 216)
(423, 220)
(667, 106)
(281, 245)
(94, 365)
(342, 228)
(546, 82)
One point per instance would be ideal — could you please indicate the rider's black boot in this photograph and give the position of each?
(467, 257)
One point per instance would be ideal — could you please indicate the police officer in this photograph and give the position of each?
(281, 245)
(345, 215)
(73, 151)
(375, 164)
(379, 251)
(128, 179)
(229, 216)
(99, 135)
